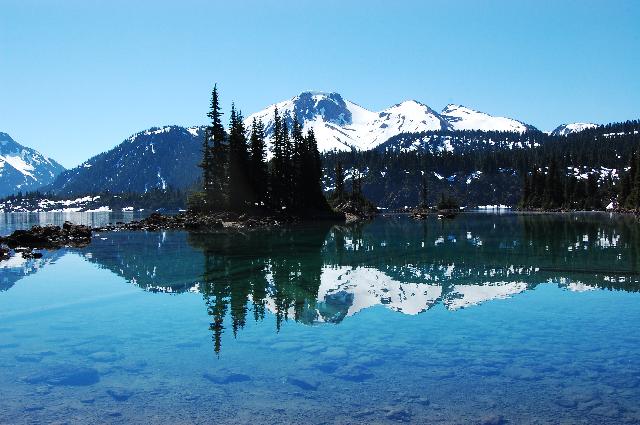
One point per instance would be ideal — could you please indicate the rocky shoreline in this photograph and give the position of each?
(77, 236)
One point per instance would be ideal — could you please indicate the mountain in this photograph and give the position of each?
(343, 125)
(158, 158)
(23, 169)
(576, 127)
(463, 118)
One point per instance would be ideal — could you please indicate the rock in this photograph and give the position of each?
(302, 384)
(133, 366)
(65, 375)
(226, 379)
(399, 415)
(31, 255)
(354, 374)
(609, 411)
(120, 394)
(49, 237)
(29, 358)
(492, 420)
(105, 356)
(566, 402)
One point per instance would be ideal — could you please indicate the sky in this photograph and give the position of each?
(77, 77)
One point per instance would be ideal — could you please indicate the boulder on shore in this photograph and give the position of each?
(50, 237)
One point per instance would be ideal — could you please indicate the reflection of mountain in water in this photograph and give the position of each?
(16, 267)
(321, 274)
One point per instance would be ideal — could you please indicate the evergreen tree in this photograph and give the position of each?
(278, 163)
(286, 195)
(339, 176)
(298, 182)
(217, 158)
(238, 191)
(314, 196)
(423, 192)
(258, 169)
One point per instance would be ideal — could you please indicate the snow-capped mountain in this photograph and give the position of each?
(343, 125)
(23, 169)
(158, 158)
(576, 127)
(462, 118)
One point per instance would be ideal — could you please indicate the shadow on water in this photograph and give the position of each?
(323, 274)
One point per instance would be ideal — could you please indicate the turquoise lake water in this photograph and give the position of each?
(519, 319)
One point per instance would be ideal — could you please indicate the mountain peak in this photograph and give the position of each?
(570, 128)
(464, 118)
(23, 168)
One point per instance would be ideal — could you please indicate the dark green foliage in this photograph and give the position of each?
(447, 202)
(393, 177)
(339, 181)
(215, 188)
(258, 172)
(239, 191)
(239, 178)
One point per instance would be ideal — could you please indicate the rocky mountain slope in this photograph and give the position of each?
(24, 169)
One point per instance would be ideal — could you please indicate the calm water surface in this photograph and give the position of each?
(484, 319)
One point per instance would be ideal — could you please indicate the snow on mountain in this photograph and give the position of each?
(576, 127)
(342, 125)
(24, 169)
(463, 118)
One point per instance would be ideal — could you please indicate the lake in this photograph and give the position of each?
(488, 318)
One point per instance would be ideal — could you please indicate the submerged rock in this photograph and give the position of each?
(65, 375)
(302, 383)
(120, 394)
(226, 378)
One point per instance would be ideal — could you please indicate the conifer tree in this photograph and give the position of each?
(339, 176)
(238, 191)
(298, 182)
(258, 170)
(287, 166)
(313, 180)
(424, 203)
(278, 168)
(217, 161)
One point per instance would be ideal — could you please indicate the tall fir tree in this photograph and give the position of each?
(297, 184)
(287, 166)
(339, 177)
(217, 160)
(238, 191)
(277, 163)
(313, 181)
(257, 167)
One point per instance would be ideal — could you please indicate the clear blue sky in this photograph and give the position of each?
(79, 76)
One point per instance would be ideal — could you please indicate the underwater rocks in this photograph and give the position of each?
(65, 375)
(228, 378)
(303, 384)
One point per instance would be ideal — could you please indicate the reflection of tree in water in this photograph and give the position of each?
(246, 271)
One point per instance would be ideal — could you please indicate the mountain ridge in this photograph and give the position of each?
(23, 168)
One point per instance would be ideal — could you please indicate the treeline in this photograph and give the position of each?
(236, 175)
(555, 190)
(629, 188)
(393, 177)
(168, 199)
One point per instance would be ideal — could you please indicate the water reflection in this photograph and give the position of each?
(323, 274)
